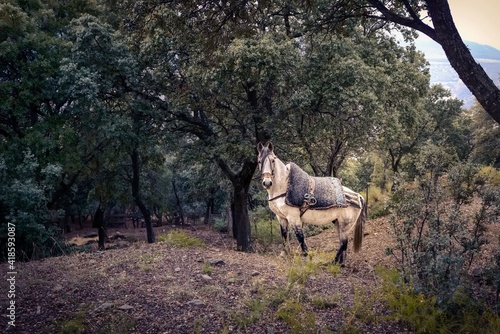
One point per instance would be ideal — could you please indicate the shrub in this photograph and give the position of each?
(438, 233)
(220, 225)
(424, 315)
(265, 228)
(24, 192)
(297, 317)
(377, 202)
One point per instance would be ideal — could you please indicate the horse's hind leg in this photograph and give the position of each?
(342, 250)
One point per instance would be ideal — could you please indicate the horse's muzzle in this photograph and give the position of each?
(267, 183)
(267, 180)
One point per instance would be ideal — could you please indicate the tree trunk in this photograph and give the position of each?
(460, 57)
(178, 202)
(241, 219)
(209, 211)
(98, 222)
(445, 33)
(241, 185)
(136, 194)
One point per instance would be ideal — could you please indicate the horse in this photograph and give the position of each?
(275, 177)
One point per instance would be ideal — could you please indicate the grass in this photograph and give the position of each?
(179, 238)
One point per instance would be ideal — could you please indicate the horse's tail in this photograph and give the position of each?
(360, 222)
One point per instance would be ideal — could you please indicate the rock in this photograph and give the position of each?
(104, 306)
(122, 244)
(216, 262)
(255, 273)
(117, 235)
(177, 269)
(206, 277)
(197, 302)
(126, 307)
(58, 288)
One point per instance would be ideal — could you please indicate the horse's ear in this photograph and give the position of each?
(260, 146)
(270, 146)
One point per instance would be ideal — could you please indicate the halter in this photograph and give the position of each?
(269, 174)
(261, 166)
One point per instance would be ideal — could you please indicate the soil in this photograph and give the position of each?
(136, 287)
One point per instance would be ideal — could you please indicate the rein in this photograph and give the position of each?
(276, 197)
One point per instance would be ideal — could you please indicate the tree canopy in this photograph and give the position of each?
(160, 105)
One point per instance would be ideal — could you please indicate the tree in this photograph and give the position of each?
(485, 137)
(133, 116)
(412, 14)
(344, 81)
(431, 117)
(233, 105)
(39, 136)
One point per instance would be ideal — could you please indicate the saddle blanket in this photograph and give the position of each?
(327, 191)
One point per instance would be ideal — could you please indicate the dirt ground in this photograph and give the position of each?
(135, 287)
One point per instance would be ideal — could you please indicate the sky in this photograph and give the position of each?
(477, 21)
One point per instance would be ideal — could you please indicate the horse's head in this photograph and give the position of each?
(266, 164)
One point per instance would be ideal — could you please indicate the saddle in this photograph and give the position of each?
(310, 192)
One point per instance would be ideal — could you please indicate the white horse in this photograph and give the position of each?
(275, 175)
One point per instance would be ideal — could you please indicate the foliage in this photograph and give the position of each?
(191, 90)
(438, 233)
(179, 238)
(423, 314)
(378, 202)
(491, 175)
(294, 314)
(23, 204)
(265, 228)
(485, 137)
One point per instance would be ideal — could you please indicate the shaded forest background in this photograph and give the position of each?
(156, 108)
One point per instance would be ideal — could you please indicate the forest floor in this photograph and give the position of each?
(135, 287)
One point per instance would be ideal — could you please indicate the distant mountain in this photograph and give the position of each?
(443, 73)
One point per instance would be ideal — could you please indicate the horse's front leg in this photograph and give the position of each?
(284, 234)
(297, 226)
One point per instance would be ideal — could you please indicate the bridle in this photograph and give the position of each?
(269, 174)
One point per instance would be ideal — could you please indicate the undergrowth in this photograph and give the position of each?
(402, 304)
(422, 314)
(180, 239)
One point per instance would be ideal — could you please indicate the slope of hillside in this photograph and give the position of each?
(160, 288)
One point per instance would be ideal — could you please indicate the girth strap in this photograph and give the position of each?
(309, 198)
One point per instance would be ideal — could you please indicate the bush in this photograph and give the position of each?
(265, 227)
(220, 225)
(438, 233)
(378, 202)
(23, 207)
(423, 314)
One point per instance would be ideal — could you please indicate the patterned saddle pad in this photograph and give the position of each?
(327, 191)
